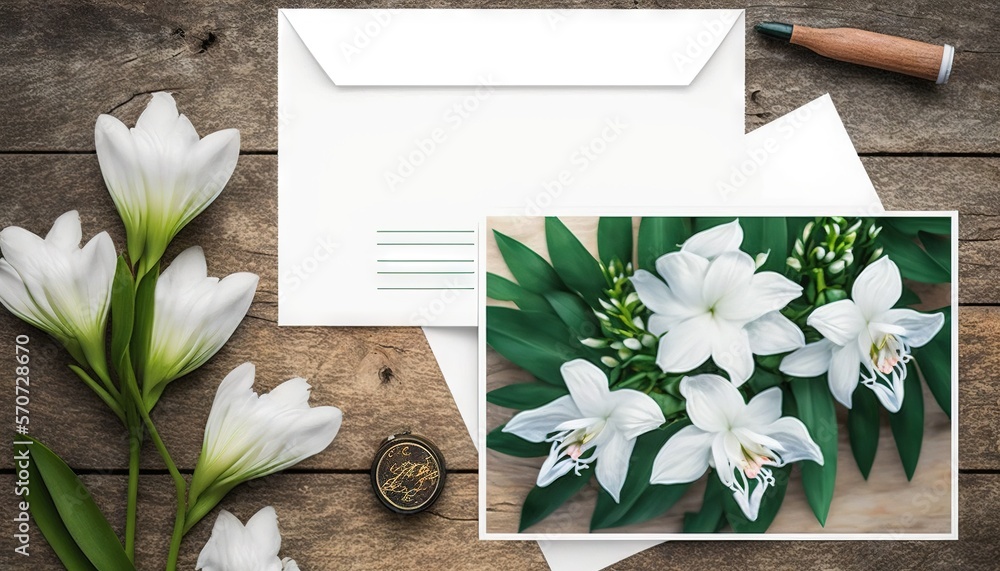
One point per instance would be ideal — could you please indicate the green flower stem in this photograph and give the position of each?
(113, 401)
(135, 430)
(179, 483)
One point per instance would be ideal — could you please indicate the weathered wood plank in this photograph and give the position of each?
(67, 63)
(327, 521)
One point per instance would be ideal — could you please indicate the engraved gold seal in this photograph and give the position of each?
(408, 473)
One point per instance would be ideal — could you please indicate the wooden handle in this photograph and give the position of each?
(874, 50)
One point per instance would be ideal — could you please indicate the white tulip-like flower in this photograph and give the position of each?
(59, 287)
(716, 304)
(249, 436)
(865, 340)
(193, 317)
(740, 440)
(591, 423)
(233, 547)
(161, 174)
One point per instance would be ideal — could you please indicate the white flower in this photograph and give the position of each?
(160, 174)
(249, 436)
(864, 339)
(234, 547)
(740, 440)
(591, 423)
(60, 288)
(715, 304)
(193, 317)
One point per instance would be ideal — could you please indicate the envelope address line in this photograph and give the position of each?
(426, 259)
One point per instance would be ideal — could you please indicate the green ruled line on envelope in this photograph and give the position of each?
(425, 231)
(426, 273)
(424, 288)
(427, 261)
(425, 244)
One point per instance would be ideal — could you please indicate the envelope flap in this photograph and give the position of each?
(512, 47)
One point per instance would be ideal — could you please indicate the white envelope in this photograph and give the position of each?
(399, 129)
(802, 163)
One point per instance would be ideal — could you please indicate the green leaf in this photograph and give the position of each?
(762, 379)
(934, 362)
(142, 331)
(505, 290)
(766, 234)
(669, 404)
(814, 407)
(122, 311)
(575, 314)
(913, 262)
(769, 505)
(908, 424)
(908, 298)
(46, 517)
(574, 264)
(614, 239)
(910, 226)
(938, 248)
(659, 236)
(525, 396)
(537, 342)
(77, 511)
(543, 501)
(639, 500)
(512, 445)
(863, 428)
(530, 270)
(712, 516)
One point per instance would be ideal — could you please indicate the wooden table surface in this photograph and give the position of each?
(925, 147)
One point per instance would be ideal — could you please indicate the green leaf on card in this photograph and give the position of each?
(712, 516)
(530, 270)
(537, 342)
(908, 424)
(639, 500)
(614, 239)
(910, 226)
(525, 396)
(578, 317)
(70, 507)
(814, 407)
(502, 289)
(575, 265)
(938, 247)
(914, 263)
(543, 501)
(769, 505)
(512, 445)
(934, 362)
(659, 236)
(863, 428)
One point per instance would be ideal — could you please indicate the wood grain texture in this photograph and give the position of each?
(65, 64)
(327, 521)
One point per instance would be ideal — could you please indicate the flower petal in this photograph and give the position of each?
(809, 361)
(687, 345)
(877, 288)
(536, 424)
(713, 242)
(588, 385)
(210, 165)
(552, 469)
(720, 457)
(767, 291)
(796, 444)
(612, 463)
(763, 409)
(712, 402)
(919, 328)
(66, 232)
(684, 457)
(159, 117)
(845, 373)
(750, 502)
(263, 531)
(684, 273)
(664, 304)
(727, 281)
(890, 396)
(731, 352)
(288, 564)
(840, 321)
(773, 333)
(634, 413)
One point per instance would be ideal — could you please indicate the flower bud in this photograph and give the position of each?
(633, 344)
(609, 361)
